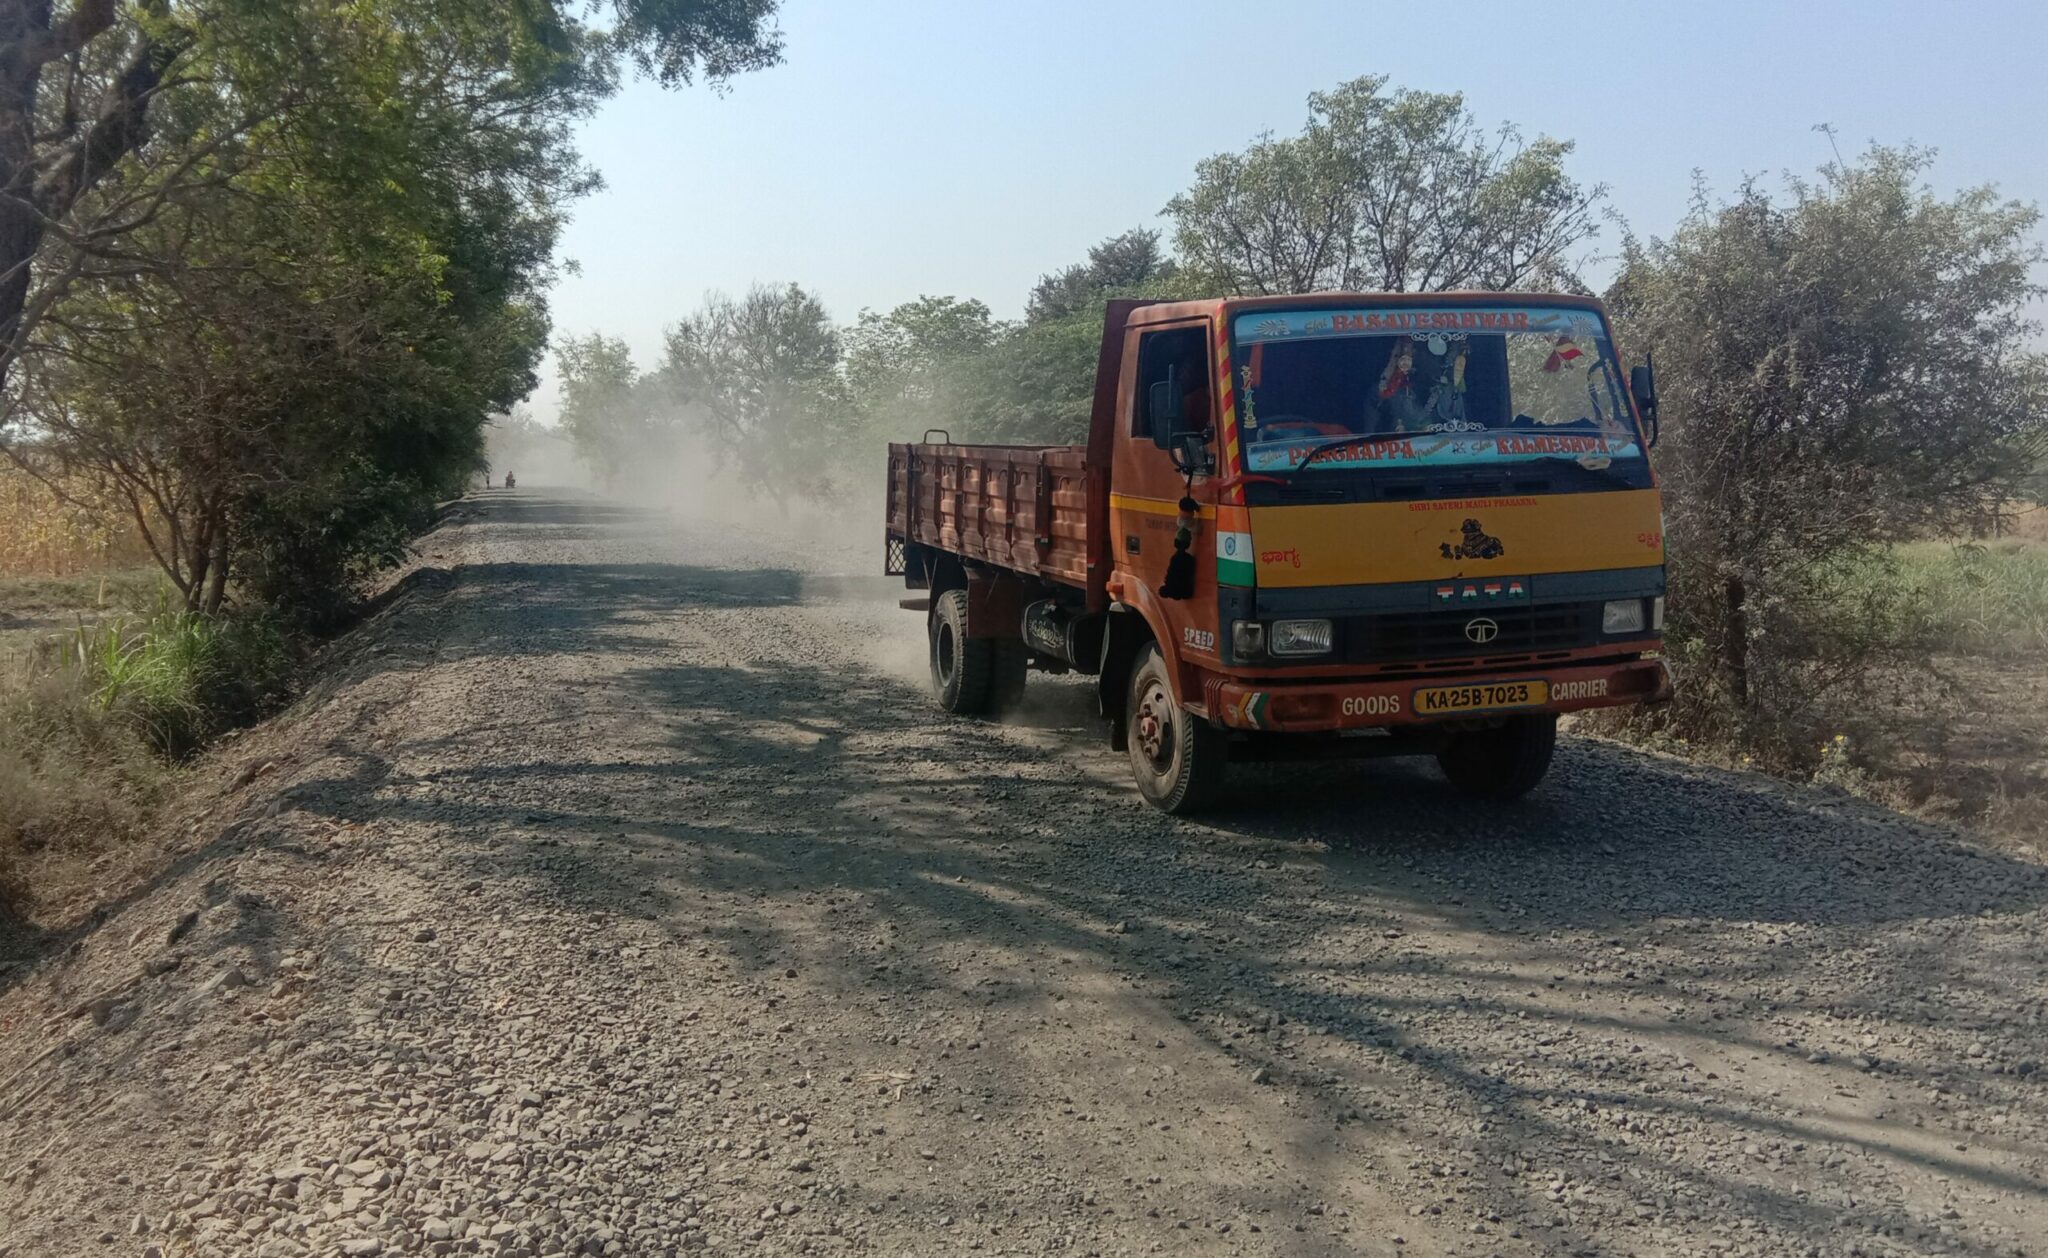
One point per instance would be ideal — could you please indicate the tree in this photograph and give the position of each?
(606, 406)
(1121, 262)
(1385, 191)
(269, 401)
(330, 269)
(1842, 367)
(86, 86)
(903, 369)
(758, 379)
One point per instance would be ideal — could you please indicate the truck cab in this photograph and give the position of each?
(1348, 525)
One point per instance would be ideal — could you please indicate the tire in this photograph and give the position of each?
(1503, 762)
(1009, 666)
(963, 668)
(1177, 759)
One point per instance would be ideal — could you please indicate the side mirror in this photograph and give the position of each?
(1163, 408)
(1642, 384)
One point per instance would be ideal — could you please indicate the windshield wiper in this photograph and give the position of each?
(1607, 473)
(1330, 443)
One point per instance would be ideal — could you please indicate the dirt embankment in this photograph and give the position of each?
(618, 894)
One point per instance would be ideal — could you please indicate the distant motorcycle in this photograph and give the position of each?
(511, 481)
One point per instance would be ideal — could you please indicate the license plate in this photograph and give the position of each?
(1490, 696)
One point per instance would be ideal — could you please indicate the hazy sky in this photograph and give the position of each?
(968, 147)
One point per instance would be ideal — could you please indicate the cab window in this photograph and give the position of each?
(1181, 354)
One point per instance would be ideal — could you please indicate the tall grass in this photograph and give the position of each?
(1988, 599)
(179, 677)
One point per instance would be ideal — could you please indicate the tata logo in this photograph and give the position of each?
(1482, 630)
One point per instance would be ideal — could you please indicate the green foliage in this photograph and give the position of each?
(1841, 369)
(75, 778)
(1386, 191)
(905, 369)
(940, 362)
(89, 726)
(279, 327)
(1035, 385)
(178, 677)
(677, 40)
(1126, 262)
(770, 391)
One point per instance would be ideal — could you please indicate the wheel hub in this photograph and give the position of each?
(1155, 725)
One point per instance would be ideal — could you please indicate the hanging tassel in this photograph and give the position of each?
(1180, 570)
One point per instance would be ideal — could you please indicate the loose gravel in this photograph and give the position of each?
(616, 892)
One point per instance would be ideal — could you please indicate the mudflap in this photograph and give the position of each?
(1122, 636)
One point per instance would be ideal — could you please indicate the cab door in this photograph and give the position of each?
(1164, 363)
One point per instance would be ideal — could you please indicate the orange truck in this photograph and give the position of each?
(1319, 526)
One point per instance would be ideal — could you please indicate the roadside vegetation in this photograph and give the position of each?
(1987, 598)
(268, 272)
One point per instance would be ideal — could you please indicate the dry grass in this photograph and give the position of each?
(42, 535)
(2030, 525)
(79, 784)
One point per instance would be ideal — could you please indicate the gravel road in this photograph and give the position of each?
(618, 891)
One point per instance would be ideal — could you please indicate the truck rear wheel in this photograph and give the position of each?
(972, 676)
(1505, 761)
(1177, 759)
(1009, 666)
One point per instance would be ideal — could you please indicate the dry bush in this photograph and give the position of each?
(78, 784)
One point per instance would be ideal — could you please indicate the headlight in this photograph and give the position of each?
(1657, 613)
(1622, 616)
(1300, 637)
(1247, 639)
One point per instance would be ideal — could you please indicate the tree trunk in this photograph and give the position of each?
(42, 176)
(21, 225)
(1735, 641)
(195, 588)
(217, 589)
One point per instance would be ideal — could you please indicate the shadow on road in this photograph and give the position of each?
(780, 782)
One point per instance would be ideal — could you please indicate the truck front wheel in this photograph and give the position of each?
(1504, 761)
(1177, 759)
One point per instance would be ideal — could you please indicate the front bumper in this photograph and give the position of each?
(1327, 706)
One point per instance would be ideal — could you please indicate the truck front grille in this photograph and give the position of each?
(1443, 635)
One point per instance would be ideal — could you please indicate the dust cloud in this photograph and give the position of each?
(828, 531)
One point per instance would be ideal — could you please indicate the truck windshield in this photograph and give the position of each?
(1415, 386)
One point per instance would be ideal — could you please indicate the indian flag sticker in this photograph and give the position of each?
(1234, 559)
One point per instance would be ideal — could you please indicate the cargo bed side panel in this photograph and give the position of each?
(1022, 508)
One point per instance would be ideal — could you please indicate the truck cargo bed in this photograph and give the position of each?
(1024, 508)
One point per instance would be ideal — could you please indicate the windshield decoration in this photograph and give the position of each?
(1274, 325)
(1562, 356)
(1384, 388)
